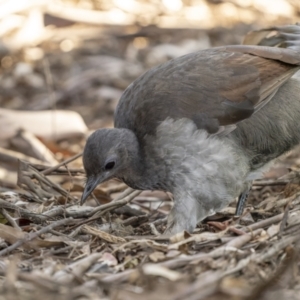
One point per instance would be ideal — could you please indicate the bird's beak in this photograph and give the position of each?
(91, 184)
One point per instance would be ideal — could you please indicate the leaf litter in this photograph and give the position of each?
(112, 248)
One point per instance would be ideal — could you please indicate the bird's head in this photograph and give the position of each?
(108, 153)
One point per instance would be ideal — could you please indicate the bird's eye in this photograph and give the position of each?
(109, 165)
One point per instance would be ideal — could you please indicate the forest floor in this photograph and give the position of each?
(110, 248)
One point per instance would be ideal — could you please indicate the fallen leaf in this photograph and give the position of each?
(157, 270)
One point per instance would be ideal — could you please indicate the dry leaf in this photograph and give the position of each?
(103, 235)
(273, 230)
(157, 270)
(157, 256)
(179, 237)
(109, 259)
(198, 238)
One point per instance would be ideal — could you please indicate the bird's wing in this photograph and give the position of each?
(216, 88)
(238, 81)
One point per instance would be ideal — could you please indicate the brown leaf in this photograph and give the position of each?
(103, 235)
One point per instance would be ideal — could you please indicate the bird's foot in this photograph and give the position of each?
(179, 221)
(242, 202)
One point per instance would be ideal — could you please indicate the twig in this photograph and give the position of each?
(123, 194)
(183, 261)
(266, 222)
(115, 204)
(11, 221)
(11, 158)
(270, 183)
(115, 189)
(61, 171)
(276, 248)
(105, 208)
(284, 267)
(154, 231)
(262, 257)
(284, 219)
(161, 221)
(54, 212)
(136, 220)
(38, 218)
(34, 235)
(148, 209)
(202, 288)
(46, 187)
(75, 232)
(48, 171)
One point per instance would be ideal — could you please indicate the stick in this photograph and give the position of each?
(48, 171)
(34, 235)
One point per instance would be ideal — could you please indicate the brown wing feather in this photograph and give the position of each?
(214, 87)
(271, 73)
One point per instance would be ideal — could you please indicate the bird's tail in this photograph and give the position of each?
(283, 37)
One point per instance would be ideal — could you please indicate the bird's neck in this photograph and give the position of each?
(143, 174)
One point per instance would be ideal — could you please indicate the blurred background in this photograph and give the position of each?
(79, 55)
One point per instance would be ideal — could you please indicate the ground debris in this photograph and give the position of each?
(74, 66)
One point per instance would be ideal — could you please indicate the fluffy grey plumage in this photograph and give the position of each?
(203, 172)
(202, 127)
